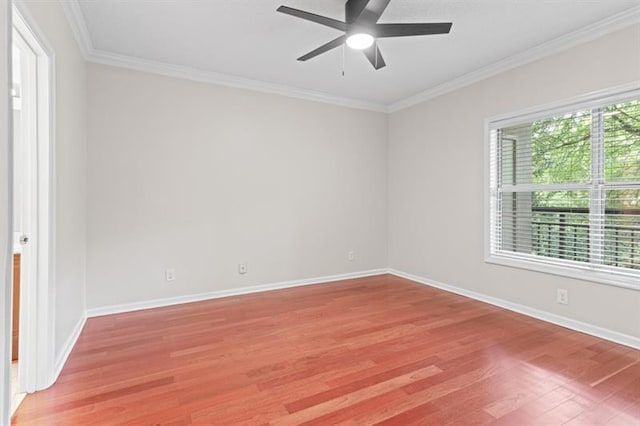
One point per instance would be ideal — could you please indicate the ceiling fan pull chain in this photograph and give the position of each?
(375, 46)
(343, 60)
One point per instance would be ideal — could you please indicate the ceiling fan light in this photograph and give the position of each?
(360, 41)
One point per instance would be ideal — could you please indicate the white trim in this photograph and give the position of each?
(66, 350)
(36, 365)
(6, 216)
(590, 329)
(566, 268)
(157, 303)
(83, 38)
(583, 35)
(78, 27)
(619, 93)
(567, 41)
(583, 327)
(23, 9)
(187, 73)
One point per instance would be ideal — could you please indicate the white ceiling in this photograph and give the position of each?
(250, 40)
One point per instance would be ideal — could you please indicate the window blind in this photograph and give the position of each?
(565, 188)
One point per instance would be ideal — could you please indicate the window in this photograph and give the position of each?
(564, 189)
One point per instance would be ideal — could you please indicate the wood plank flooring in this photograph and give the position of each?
(379, 350)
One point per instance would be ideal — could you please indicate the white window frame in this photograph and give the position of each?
(562, 267)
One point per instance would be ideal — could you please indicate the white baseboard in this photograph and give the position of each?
(61, 359)
(603, 333)
(580, 326)
(157, 303)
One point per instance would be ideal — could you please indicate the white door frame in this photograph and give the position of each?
(6, 209)
(37, 304)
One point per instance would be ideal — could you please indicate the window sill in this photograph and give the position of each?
(628, 281)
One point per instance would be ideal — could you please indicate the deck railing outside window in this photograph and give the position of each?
(564, 234)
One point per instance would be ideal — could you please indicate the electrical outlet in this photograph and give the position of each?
(170, 274)
(351, 256)
(562, 296)
(242, 268)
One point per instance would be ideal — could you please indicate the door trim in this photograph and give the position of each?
(37, 348)
(6, 189)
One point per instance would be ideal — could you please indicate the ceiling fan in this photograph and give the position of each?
(361, 28)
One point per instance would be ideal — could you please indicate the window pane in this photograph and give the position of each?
(622, 228)
(562, 149)
(546, 223)
(516, 222)
(622, 142)
(515, 155)
(560, 224)
(567, 187)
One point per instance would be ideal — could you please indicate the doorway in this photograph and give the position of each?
(31, 329)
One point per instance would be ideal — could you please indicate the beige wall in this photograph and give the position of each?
(436, 189)
(70, 167)
(199, 178)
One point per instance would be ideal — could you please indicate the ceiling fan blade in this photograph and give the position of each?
(318, 19)
(324, 48)
(406, 30)
(353, 9)
(373, 11)
(374, 56)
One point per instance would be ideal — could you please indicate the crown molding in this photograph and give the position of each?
(583, 35)
(81, 33)
(78, 27)
(591, 32)
(177, 71)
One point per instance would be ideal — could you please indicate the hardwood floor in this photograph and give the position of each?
(379, 350)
